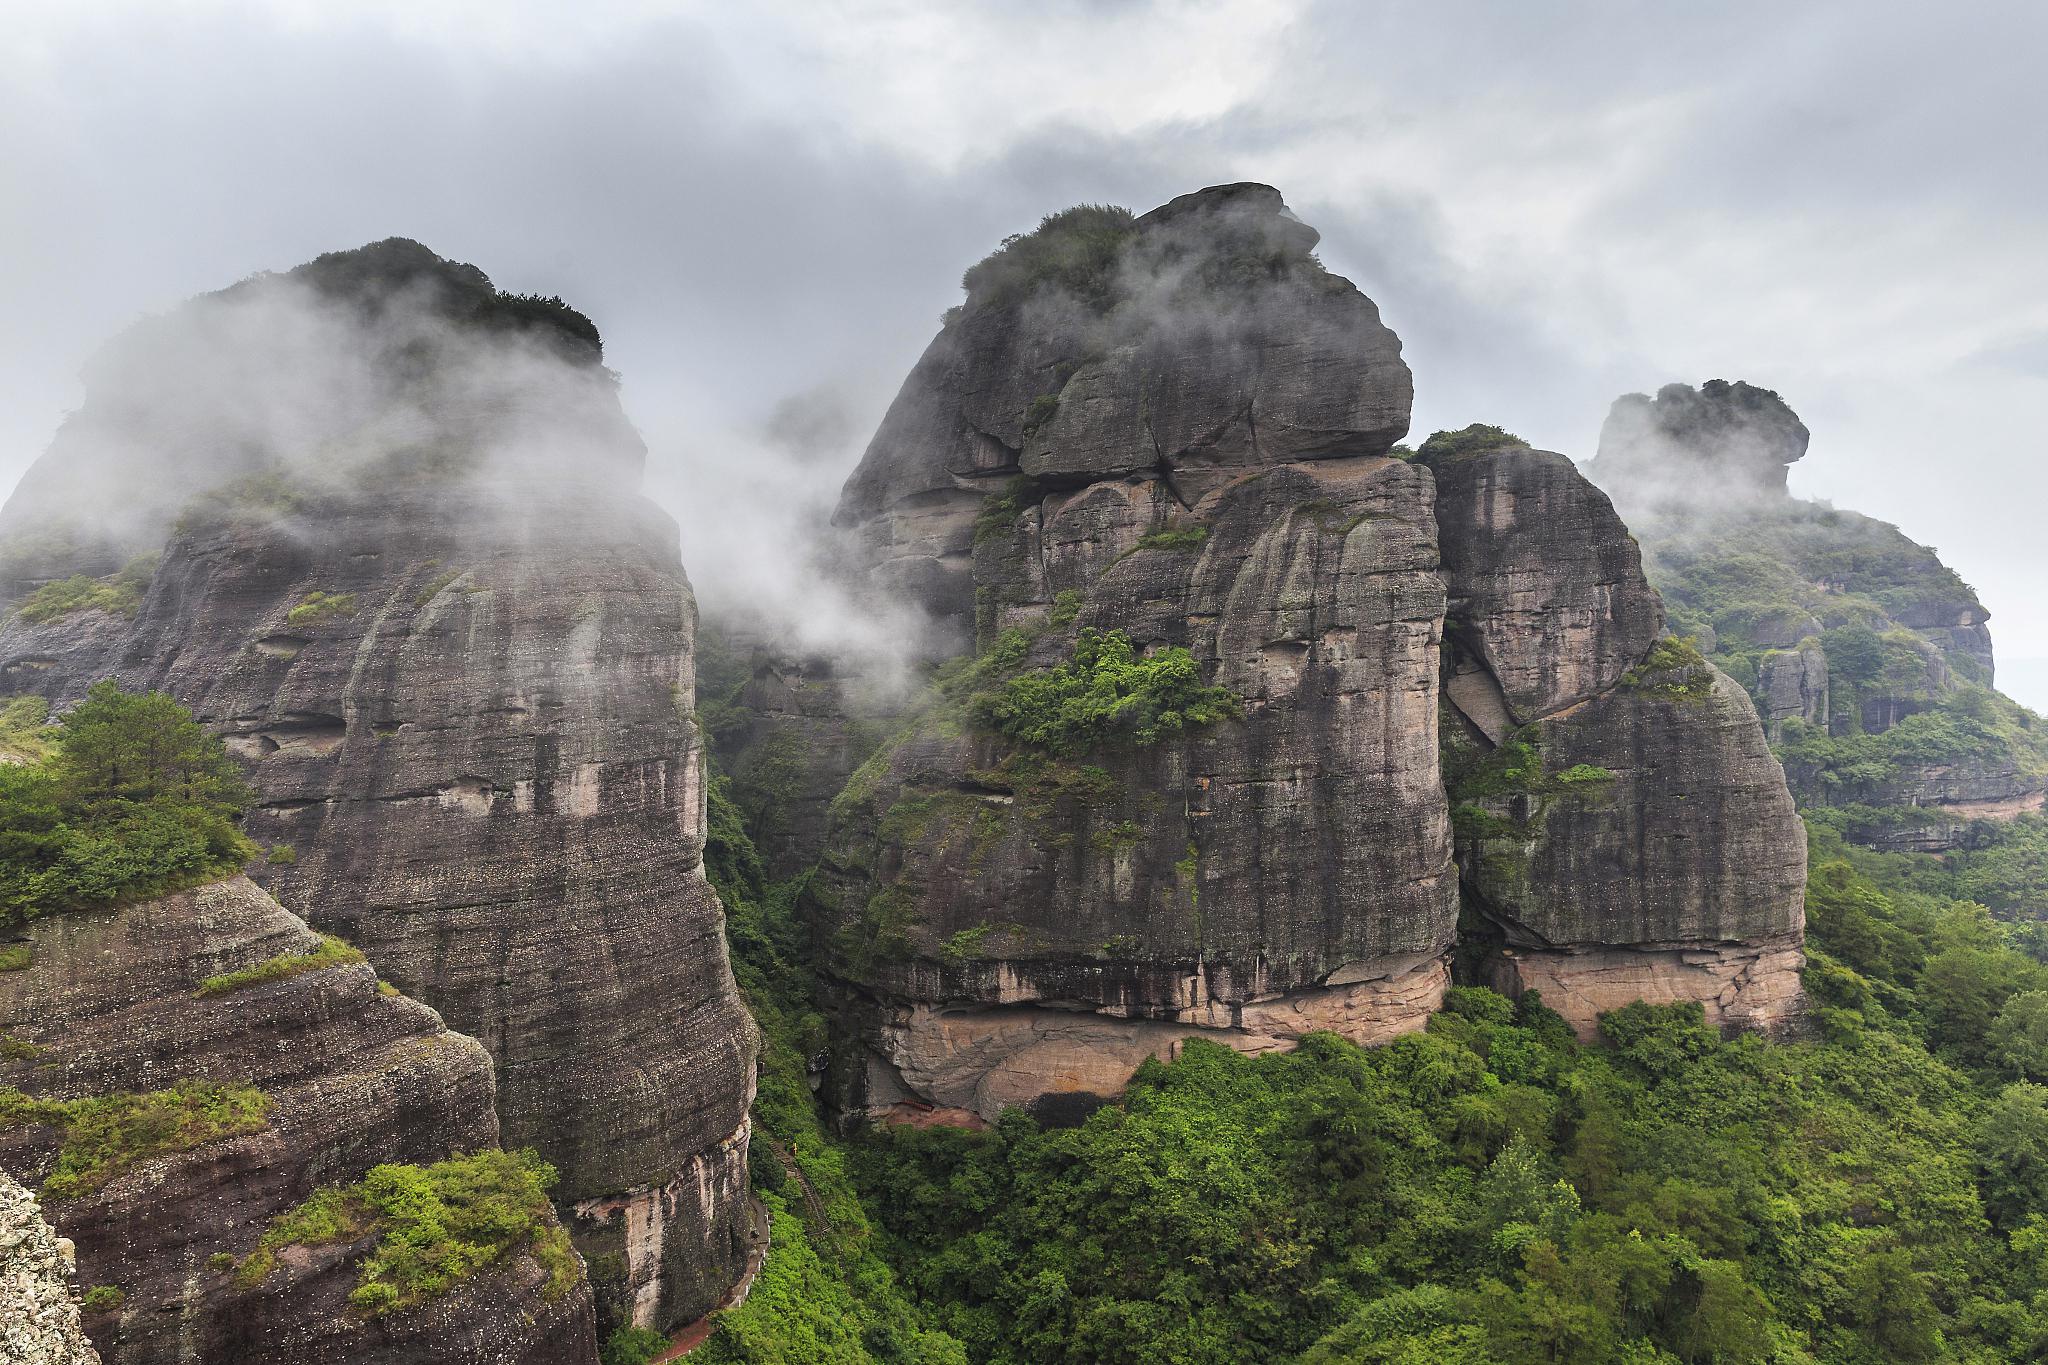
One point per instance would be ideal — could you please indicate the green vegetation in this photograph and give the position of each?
(16, 957)
(133, 800)
(109, 1134)
(434, 587)
(332, 952)
(632, 1346)
(260, 496)
(1970, 725)
(1076, 250)
(25, 732)
(1106, 694)
(1674, 670)
(1476, 439)
(1175, 538)
(998, 515)
(318, 607)
(825, 1294)
(433, 1227)
(118, 594)
(102, 1298)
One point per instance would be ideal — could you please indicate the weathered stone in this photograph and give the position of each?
(1224, 345)
(1793, 685)
(1215, 879)
(1640, 837)
(1547, 588)
(38, 1307)
(355, 1077)
(1703, 444)
(461, 679)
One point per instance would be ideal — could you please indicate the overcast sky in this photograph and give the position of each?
(765, 207)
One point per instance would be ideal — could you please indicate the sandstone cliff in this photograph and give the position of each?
(1622, 826)
(304, 1082)
(1171, 433)
(1868, 657)
(454, 647)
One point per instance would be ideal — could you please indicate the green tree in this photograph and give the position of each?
(139, 746)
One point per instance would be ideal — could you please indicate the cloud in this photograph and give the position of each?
(1552, 204)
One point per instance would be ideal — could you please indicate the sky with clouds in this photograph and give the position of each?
(766, 207)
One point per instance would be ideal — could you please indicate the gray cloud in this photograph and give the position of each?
(766, 208)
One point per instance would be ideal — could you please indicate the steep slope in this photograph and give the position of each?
(1622, 826)
(1868, 657)
(1189, 782)
(170, 1111)
(453, 646)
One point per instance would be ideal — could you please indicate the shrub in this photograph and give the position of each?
(109, 1134)
(1175, 538)
(118, 594)
(1075, 250)
(632, 1346)
(433, 1226)
(1476, 439)
(317, 607)
(1107, 693)
(332, 952)
(135, 799)
(102, 1298)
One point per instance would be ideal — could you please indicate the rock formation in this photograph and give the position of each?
(454, 646)
(351, 1075)
(38, 1309)
(1622, 825)
(1868, 657)
(1175, 429)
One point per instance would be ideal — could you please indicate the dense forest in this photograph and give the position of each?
(1490, 1190)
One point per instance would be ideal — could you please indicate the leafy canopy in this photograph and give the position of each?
(1107, 693)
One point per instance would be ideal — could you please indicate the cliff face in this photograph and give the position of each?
(1623, 827)
(1191, 456)
(350, 1077)
(1184, 347)
(460, 674)
(1868, 658)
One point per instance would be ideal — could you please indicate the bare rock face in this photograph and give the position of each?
(353, 1076)
(459, 671)
(1186, 345)
(38, 1308)
(1625, 829)
(1185, 447)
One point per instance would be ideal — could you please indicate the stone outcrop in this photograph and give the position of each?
(459, 670)
(1721, 441)
(1201, 340)
(354, 1076)
(1197, 460)
(38, 1309)
(1627, 830)
(1008, 925)
(1838, 625)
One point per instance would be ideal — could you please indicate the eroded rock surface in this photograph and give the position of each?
(354, 1077)
(453, 646)
(1628, 828)
(38, 1305)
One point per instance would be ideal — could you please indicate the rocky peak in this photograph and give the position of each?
(1731, 437)
(1191, 343)
(359, 369)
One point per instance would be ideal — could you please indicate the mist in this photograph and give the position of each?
(1550, 209)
